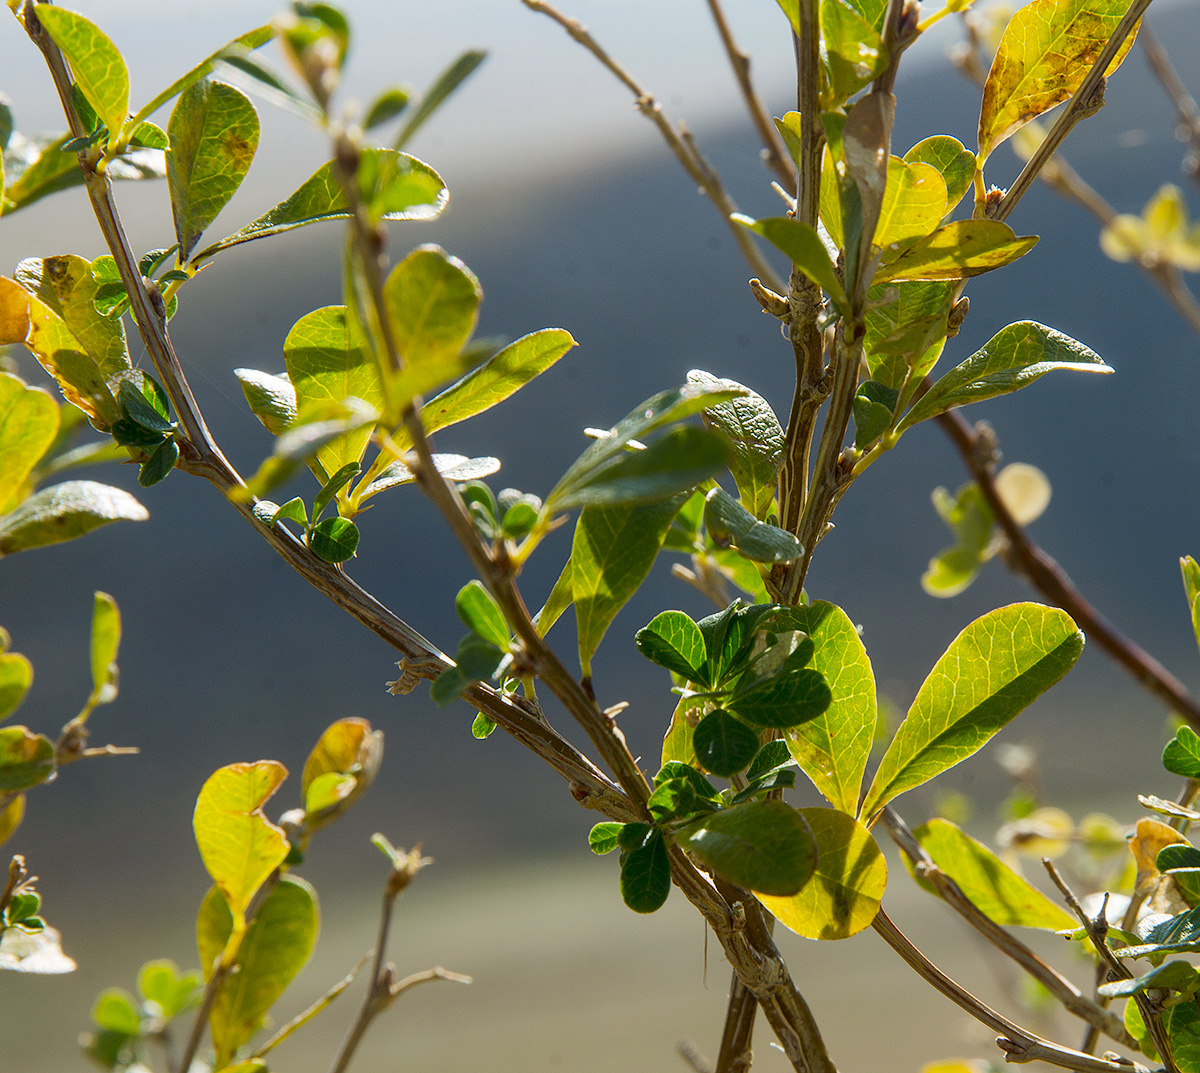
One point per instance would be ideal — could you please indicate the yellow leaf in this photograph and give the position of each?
(1044, 55)
(1149, 837)
(240, 847)
(10, 818)
(843, 895)
(339, 769)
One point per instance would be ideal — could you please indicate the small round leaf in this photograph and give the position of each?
(723, 744)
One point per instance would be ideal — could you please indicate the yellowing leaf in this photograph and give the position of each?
(1149, 837)
(11, 816)
(29, 421)
(914, 202)
(16, 676)
(240, 847)
(106, 640)
(843, 895)
(832, 749)
(1047, 49)
(95, 62)
(340, 768)
(994, 888)
(957, 250)
(1163, 234)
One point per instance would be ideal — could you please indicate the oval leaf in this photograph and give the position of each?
(96, 63)
(432, 302)
(1013, 358)
(64, 512)
(275, 948)
(723, 744)
(764, 846)
(26, 758)
(672, 640)
(786, 700)
(213, 131)
(1046, 51)
(994, 669)
(843, 895)
(347, 748)
(646, 875)
(240, 847)
(106, 640)
(832, 749)
(955, 162)
(29, 421)
(16, 676)
(804, 249)
(957, 250)
(991, 885)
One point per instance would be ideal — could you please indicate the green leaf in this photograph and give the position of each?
(275, 948)
(906, 330)
(784, 701)
(1047, 48)
(873, 407)
(955, 162)
(675, 462)
(115, 1011)
(29, 422)
(64, 512)
(728, 521)
(832, 749)
(432, 302)
(612, 552)
(16, 676)
(161, 461)
(1179, 855)
(482, 727)
(756, 436)
(334, 485)
(1191, 589)
(443, 86)
(994, 669)
(214, 134)
(293, 510)
(334, 540)
(957, 250)
(480, 613)
(672, 640)
(1013, 358)
(843, 896)
(914, 201)
(991, 885)
(1172, 976)
(853, 52)
(803, 247)
(646, 875)
(327, 363)
(603, 837)
(272, 399)
(662, 409)
(240, 847)
(96, 63)
(414, 192)
(389, 104)
(764, 846)
(174, 992)
(26, 758)
(1182, 754)
(789, 127)
(495, 380)
(633, 836)
(139, 409)
(106, 640)
(1182, 1024)
(724, 745)
(452, 467)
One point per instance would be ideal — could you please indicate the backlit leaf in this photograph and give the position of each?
(991, 885)
(10, 819)
(852, 50)
(756, 436)
(161, 982)
(16, 676)
(955, 162)
(672, 640)
(275, 948)
(29, 422)
(240, 847)
(415, 192)
(764, 846)
(1191, 590)
(328, 363)
(677, 742)
(347, 748)
(994, 669)
(1013, 358)
(1047, 48)
(480, 613)
(64, 512)
(272, 399)
(213, 132)
(612, 552)
(436, 95)
(106, 640)
(957, 250)
(1182, 754)
(603, 838)
(96, 63)
(832, 749)
(26, 758)
(452, 467)
(914, 202)
(804, 248)
(844, 893)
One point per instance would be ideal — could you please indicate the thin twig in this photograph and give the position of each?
(1097, 933)
(304, 1016)
(1008, 944)
(1086, 101)
(1045, 575)
(684, 149)
(1185, 104)
(1017, 1044)
(775, 154)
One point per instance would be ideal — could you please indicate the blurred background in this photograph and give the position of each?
(572, 213)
